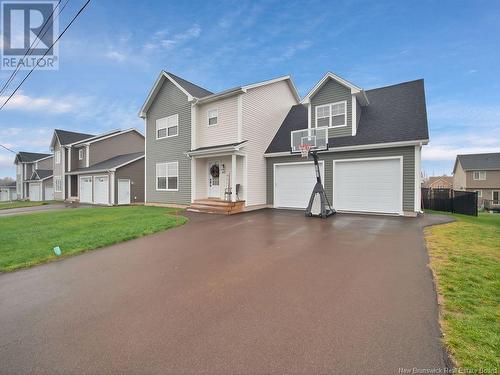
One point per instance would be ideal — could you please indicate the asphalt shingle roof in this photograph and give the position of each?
(395, 113)
(66, 137)
(43, 173)
(28, 157)
(489, 161)
(109, 163)
(191, 88)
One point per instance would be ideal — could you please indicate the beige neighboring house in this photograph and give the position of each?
(480, 173)
(439, 182)
(104, 169)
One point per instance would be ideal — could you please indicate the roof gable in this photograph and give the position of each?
(30, 157)
(489, 161)
(66, 137)
(355, 90)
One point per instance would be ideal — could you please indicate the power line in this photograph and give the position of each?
(32, 47)
(38, 61)
(8, 149)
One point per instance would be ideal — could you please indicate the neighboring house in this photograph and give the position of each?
(375, 139)
(41, 185)
(203, 145)
(439, 182)
(26, 163)
(8, 192)
(480, 173)
(105, 169)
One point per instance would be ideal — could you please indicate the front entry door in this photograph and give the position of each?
(213, 179)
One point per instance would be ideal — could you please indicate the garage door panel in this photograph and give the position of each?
(293, 184)
(368, 186)
(86, 189)
(101, 190)
(35, 192)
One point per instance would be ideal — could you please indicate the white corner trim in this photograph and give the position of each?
(193, 179)
(309, 115)
(112, 188)
(240, 118)
(354, 116)
(87, 156)
(418, 190)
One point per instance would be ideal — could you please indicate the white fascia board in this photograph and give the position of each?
(329, 75)
(154, 90)
(354, 148)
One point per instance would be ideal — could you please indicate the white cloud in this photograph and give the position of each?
(291, 51)
(166, 41)
(42, 104)
(116, 56)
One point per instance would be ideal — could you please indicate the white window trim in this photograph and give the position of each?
(479, 177)
(330, 117)
(479, 193)
(493, 194)
(80, 154)
(57, 157)
(167, 127)
(166, 166)
(57, 178)
(208, 117)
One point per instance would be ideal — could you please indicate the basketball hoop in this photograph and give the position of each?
(304, 149)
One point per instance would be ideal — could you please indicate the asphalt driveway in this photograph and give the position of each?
(262, 292)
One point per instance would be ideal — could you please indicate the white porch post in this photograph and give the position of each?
(233, 178)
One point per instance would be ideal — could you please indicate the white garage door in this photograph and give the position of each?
(368, 185)
(294, 183)
(123, 191)
(35, 192)
(101, 190)
(49, 193)
(86, 189)
(4, 195)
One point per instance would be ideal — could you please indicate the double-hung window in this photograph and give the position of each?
(81, 154)
(213, 117)
(58, 184)
(332, 115)
(58, 157)
(167, 127)
(167, 176)
(479, 175)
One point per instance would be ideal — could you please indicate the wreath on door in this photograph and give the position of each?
(214, 171)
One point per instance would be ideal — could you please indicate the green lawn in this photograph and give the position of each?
(26, 240)
(465, 259)
(19, 204)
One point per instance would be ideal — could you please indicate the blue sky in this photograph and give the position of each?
(112, 55)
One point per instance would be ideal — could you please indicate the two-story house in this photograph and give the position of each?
(105, 169)
(236, 144)
(479, 173)
(375, 137)
(29, 165)
(202, 145)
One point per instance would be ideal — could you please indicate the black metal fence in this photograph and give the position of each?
(449, 200)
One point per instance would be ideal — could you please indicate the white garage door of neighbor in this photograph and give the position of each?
(123, 191)
(86, 189)
(49, 193)
(101, 190)
(294, 183)
(4, 195)
(368, 185)
(35, 192)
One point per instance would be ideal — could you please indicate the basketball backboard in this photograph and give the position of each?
(317, 138)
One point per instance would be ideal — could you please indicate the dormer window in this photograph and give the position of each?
(213, 117)
(479, 175)
(332, 115)
(81, 154)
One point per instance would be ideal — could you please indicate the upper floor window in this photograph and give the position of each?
(167, 127)
(58, 184)
(81, 154)
(58, 157)
(332, 115)
(479, 175)
(213, 116)
(167, 176)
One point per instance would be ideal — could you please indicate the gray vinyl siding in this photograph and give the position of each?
(135, 173)
(75, 161)
(169, 101)
(45, 164)
(125, 143)
(333, 92)
(408, 154)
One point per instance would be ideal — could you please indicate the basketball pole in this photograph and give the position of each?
(326, 208)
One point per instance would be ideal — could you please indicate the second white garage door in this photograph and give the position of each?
(35, 192)
(368, 185)
(294, 183)
(86, 189)
(101, 190)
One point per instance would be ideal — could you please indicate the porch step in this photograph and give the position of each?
(217, 206)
